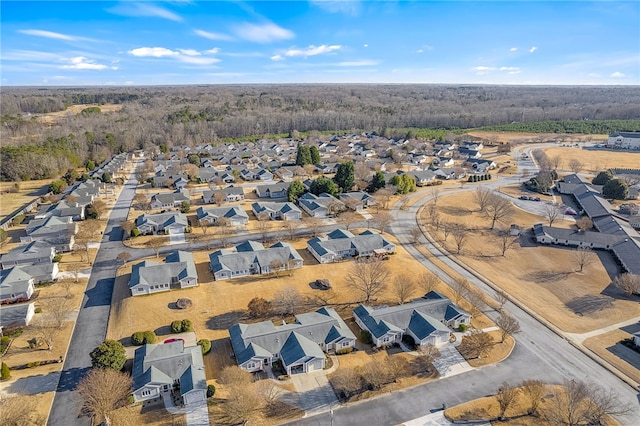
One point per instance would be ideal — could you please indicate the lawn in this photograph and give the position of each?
(623, 358)
(594, 160)
(542, 277)
(28, 191)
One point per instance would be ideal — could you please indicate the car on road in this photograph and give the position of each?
(177, 339)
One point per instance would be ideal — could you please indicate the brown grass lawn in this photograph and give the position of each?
(521, 137)
(38, 407)
(607, 347)
(542, 277)
(595, 160)
(29, 190)
(53, 117)
(499, 351)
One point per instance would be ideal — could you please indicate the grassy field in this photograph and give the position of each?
(542, 277)
(594, 160)
(521, 137)
(28, 191)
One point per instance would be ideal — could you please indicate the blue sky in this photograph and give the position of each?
(213, 42)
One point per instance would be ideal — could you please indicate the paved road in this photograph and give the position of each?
(91, 325)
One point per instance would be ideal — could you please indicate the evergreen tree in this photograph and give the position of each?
(616, 188)
(345, 178)
(303, 156)
(295, 190)
(109, 354)
(403, 183)
(323, 184)
(377, 182)
(603, 177)
(315, 155)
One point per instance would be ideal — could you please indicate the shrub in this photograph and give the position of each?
(149, 337)
(211, 390)
(137, 338)
(3, 234)
(176, 326)
(143, 337)
(187, 325)
(57, 257)
(5, 373)
(463, 327)
(365, 337)
(205, 344)
(135, 232)
(18, 219)
(344, 351)
(38, 310)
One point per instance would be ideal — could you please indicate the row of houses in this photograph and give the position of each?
(301, 346)
(614, 232)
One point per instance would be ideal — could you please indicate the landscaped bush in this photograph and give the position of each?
(57, 258)
(143, 337)
(38, 310)
(135, 232)
(205, 345)
(344, 351)
(183, 326)
(365, 337)
(5, 373)
(211, 390)
(187, 325)
(463, 327)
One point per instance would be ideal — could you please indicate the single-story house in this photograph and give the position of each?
(264, 175)
(275, 190)
(170, 200)
(164, 368)
(322, 205)
(18, 315)
(300, 345)
(234, 214)
(252, 258)
(284, 211)
(62, 209)
(28, 254)
(178, 271)
(168, 223)
(426, 320)
(57, 231)
(423, 177)
(16, 285)
(341, 244)
(357, 200)
(230, 194)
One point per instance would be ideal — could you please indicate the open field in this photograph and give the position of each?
(623, 358)
(595, 160)
(521, 137)
(542, 277)
(53, 117)
(29, 190)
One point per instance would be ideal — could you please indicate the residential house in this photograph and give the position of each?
(480, 165)
(448, 173)
(18, 315)
(357, 200)
(322, 205)
(230, 194)
(624, 140)
(177, 271)
(63, 208)
(423, 177)
(426, 320)
(16, 285)
(341, 244)
(275, 190)
(170, 200)
(180, 183)
(444, 162)
(284, 173)
(283, 211)
(30, 254)
(169, 369)
(300, 345)
(263, 175)
(327, 168)
(57, 231)
(252, 258)
(235, 215)
(167, 223)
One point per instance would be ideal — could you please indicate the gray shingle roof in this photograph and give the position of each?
(341, 241)
(14, 281)
(252, 252)
(33, 250)
(178, 264)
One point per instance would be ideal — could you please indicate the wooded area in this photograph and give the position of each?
(192, 115)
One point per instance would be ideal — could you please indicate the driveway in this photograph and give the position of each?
(313, 394)
(451, 362)
(177, 238)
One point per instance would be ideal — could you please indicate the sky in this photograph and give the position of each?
(57, 43)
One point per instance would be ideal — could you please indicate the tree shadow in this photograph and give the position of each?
(225, 321)
(32, 385)
(70, 378)
(100, 294)
(545, 276)
(589, 304)
(163, 330)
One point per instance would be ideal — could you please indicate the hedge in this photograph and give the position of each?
(211, 390)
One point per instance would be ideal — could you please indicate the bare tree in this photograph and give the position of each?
(447, 228)
(313, 224)
(552, 213)
(142, 202)
(263, 224)
(534, 391)
(269, 391)
(57, 310)
(506, 398)
(481, 196)
(584, 223)
(404, 201)
(67, 284)
(435, 196)
(75, 268)
(348, 218)
(292, 226)
(428, 282)
(127, 226)
(87, 233)
(99, 207)
(258, 307)
(156, 243)
(124, 257)
(235, 375)
(505, 240)
(204, 225)
(556, 162)
(368, 277)
(476, 344)
(347, 381)
(242, 405)
(508, 326)
(502, 298)
(383, 220)
(428, 354)
(403, 288)
(15, 411)
(460, 237)
(582, 256)
(219, 198)
(396, 367)
(575, 165)
(376, 374)
(104, 390)
(628, 283)
(415, 234)
(461, 289)
(383, 197)
(477, 300)
(287, 301)
(224, 230)
(45, 332)
(498, 209)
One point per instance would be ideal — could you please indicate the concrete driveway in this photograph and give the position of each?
(451, 362)
(313, 394)
(177, 239)
(437, 419)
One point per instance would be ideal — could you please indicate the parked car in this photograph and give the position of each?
(537, 199)
(176, 339)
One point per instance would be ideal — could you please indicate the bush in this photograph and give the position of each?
(109, 354)
(143, 337)
(135, 232)
(463, 327)
(176, 326)
(211, 390)
(365, 337)
(57, 257)
(205, 344)
(5, 373)
(344, 351)
(3, 234)
(187, 325)
(38, 310)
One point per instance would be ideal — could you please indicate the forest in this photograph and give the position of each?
(193, 115)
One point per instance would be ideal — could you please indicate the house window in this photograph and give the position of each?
(146, 392)
(251, 365)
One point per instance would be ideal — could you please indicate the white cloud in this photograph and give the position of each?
(277, 58)
(513, 49)
(365, 45)
(144, 9)
(312, 50)
(533, 49)
(263, 33)
(419, 51)
(212, 51)
(363, 63)
(82, 63)
(156, 52)
(483, 68)
(510, 69)
(197, 61)
(213, 36)
(54, 35)
(349, 7)
(617, 74)
(190, 52)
